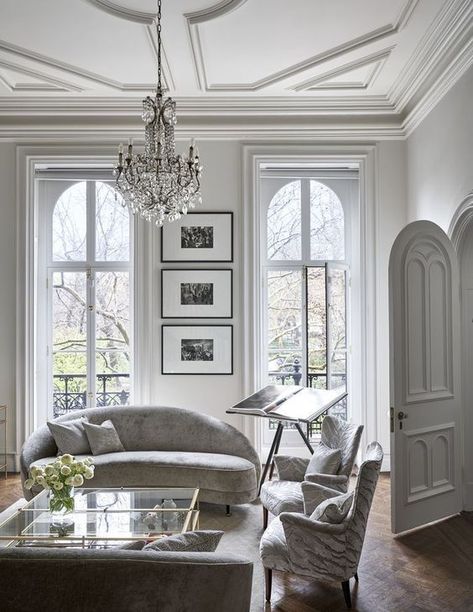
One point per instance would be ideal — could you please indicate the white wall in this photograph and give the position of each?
(222, 190)
(440, 157)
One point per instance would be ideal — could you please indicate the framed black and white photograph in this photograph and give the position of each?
(198, 236)
(196, 294)
(197, 349)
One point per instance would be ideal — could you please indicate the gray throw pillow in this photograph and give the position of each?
(333, 510)
(133, 545)
(325, 460)
(103, 438)
(191, 541)
(70, 437)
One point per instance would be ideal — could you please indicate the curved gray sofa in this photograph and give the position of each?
(163, 447)
(76, 580)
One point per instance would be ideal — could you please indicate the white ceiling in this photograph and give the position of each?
(360, 57)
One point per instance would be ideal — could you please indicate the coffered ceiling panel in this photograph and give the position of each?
(354, 56)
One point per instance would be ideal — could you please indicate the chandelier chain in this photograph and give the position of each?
(158, 30)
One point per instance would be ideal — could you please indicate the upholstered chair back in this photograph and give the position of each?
(362, 499)
(337, 433)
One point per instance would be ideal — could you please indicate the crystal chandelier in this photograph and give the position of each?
(158, 184)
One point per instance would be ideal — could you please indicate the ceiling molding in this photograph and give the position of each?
(440, 45)
(224, 7)
(50, 83)
(295, 69)
(118, 10)
(378, 59)
(439, 88)
(71, 70)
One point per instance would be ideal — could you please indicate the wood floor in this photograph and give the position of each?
(428, 570)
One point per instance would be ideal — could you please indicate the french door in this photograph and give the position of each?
(308, 307)
(84, 306)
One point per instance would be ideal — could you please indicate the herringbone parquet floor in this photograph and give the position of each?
(429, 570)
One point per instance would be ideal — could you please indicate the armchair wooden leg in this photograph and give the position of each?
(356, 576)
(229, 511)
(265, 517)
(346, 593)
(268, 580)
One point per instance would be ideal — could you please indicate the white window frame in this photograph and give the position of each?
(50, 185)
(364, 341)
(344, 184)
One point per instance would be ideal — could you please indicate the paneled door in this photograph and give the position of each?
(425, 377)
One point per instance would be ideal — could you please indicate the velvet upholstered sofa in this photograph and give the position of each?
(163, 447)
(76, 580)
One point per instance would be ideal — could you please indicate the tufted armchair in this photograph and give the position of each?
(285, 494)
(301, 545)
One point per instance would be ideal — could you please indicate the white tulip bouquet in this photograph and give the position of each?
(60, 478)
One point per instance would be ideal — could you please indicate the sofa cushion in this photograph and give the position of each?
(214, 471)
(70, 437)
(325, 460)
(333, 510)
(103, 438)
(191, 541)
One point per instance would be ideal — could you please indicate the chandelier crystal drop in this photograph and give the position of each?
(159, 184)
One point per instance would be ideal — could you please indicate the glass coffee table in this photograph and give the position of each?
(104, 518)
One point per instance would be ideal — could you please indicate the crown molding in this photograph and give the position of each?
(50, 83)
(215, 107)
(281, 75)
(440, 45)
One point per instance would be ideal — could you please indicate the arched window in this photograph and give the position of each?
(306, 282)
(87, 314)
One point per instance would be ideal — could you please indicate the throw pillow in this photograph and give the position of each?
(133, 545)
(333, 510)
(103, 438)
(191, 541)
(325, 460)
(70, 437)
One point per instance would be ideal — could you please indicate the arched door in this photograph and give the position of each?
(425, 377)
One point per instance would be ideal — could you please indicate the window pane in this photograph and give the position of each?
(316, 327)
(284, 326)
(284, 223)
(327, 230)
(112, 311)
(337, 309)
(69, 320)
(69, 225)
(112, 225)
(112, 378)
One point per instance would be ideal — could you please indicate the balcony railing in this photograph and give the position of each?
(66, 397)
(317, 380)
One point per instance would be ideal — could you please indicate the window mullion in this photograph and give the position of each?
(91, 340)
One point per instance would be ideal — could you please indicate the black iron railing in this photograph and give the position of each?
(316, 380)
(68, 397)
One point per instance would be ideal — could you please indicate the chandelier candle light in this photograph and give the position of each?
(158, 184)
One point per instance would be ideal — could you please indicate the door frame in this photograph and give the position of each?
(363, 157)
(461, 226)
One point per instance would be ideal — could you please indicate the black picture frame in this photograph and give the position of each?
(164, 326)
(228, 271)
(201, 261)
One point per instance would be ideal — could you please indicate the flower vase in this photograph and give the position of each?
(61, 504)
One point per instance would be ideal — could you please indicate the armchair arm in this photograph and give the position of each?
(335, 481)
(315, 549)
(39, 445)
(314, 494)
(291, 468)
